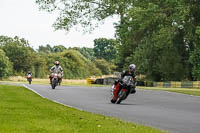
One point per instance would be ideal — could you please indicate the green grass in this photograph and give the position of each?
(189, 91)
(22, 111)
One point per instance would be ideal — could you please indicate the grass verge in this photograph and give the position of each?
(19, 79)
(22, 111)
(189, 91)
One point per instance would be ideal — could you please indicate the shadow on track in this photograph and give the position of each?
(122, 104)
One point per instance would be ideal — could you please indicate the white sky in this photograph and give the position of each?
(22, 18)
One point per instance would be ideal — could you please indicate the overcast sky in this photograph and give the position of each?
(22, 18)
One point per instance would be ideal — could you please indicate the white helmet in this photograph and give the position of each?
(132, 67)
(57, 63)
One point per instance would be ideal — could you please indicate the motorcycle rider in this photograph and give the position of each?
(29, 76)
(29, 73)
(56, 69)
(129, 72)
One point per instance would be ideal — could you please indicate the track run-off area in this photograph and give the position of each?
(174, 112)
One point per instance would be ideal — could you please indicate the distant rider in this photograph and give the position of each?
(56, 69)
(29, 73)
(129, 72)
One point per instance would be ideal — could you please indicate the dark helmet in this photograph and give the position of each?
(57, 63)
(132, 67)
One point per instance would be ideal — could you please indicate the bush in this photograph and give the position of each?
(74, 64)
(5, 65)
(104, 66)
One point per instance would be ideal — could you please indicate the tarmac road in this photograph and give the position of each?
(176, 113)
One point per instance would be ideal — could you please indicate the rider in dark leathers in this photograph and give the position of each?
(129, 72)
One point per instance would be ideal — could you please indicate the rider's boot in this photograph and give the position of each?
(133, 90)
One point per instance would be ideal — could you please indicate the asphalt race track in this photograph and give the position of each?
(176, 113)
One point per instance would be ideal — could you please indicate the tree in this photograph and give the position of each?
(195, 61)
(75, 65)
(59, 48)
(49, 49)
(105, 48)
(45, 49)
(6, 65)
(87, 52)
(105, 67)
(39, 66)
(4, 40)
(19, 53)
(160, 28)
(86, 13)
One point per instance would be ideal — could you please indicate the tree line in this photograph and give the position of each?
(162, 37)
(17, 58)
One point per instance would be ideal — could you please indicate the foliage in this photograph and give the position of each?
(155, 35)
(105, 67)
(45, 49)
(39, 67)
(49, 49)
(59, 48)
(75, 65)
(87, 52)
(4, 40)
(158, 36)
(5, 65)
(86, 13)
(105, 48)
(159, 67)
(19, 53)
(195, 61)
(161, 28)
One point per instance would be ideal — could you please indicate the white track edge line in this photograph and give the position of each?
(52, 100)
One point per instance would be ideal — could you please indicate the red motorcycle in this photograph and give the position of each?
(29, 78)
(56, 79)
(117, 94)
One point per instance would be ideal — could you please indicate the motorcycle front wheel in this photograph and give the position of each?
(122, 95)
(112, 95)
(29, 81)
(53, 84)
